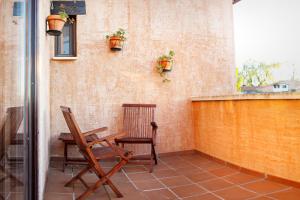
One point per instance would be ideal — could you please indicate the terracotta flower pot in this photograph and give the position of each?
(116, 43)
(166, 64)
(56, 24)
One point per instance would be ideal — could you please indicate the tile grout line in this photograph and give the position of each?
(274, 192)
(237, 185)
(164, 184)
(192, 183)
(129, 179)
(206, 171)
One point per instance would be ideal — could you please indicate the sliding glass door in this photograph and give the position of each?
(16, 94)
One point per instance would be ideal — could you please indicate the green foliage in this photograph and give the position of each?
(119, 33)
(255, 73)
(63, 13)
(167, 57)
(160, 68)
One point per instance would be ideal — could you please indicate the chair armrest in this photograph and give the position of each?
(154, 129)
(154, 125)
(95, 131)
(105, 138)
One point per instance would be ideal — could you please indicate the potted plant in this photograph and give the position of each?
(165, 64)
(116, 40)
(56, 22)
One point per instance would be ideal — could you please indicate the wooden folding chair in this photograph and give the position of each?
(140, 128)
(8, 133)
(94, 154)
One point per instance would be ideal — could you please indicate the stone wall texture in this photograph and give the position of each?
(100, 81)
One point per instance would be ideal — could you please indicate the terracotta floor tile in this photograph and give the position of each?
(188, 190)
(290, 194)
(16, 195)
(170, 159)
(58, 186)
(162, 194)
(241, 178)
(165, 173)
(148, 185)
(204, 197)
(261, 198)
(100, 193)
(202, 176)
(210, 165)
(235, 193)
(225, 171)
(215, 184)
(131, 196)
(264, 186)
(140, 176)
(188, 177)
(175, 181)
(134, 169)
(58, 196)
(124, 188)
(160, 166)
(181, 165)
(188, 171)
(200, 162)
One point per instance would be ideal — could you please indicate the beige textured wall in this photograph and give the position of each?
(100, 81)
(262, 135)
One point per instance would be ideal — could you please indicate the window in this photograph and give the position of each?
(65, 44)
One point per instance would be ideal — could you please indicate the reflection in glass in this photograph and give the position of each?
(12, 84)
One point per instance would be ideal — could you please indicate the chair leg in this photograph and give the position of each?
(154, 153)
(9, 175)
(78, 177)
(65, 156)
(114, 189)
(104, 178)
(115, 169)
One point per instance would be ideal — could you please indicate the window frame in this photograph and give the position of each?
(73, 40)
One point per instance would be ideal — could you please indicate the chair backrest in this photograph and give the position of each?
(13, 120)
(74, 128)
(77, 135)
(137, 120)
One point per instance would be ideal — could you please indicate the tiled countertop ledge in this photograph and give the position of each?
(248, 97)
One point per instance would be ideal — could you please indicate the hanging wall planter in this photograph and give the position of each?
(55, 24)
(165, 64)
(60, 11)
(116, 40)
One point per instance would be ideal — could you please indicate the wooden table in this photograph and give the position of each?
(67, 139)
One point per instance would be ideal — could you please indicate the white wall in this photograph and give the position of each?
(43, 78)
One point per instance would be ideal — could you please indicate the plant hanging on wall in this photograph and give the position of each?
(116, 40)
(56, 22)
(165, 64)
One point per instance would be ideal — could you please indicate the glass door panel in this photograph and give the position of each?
(12, 90)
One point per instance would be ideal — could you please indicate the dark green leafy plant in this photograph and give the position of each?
(119, 33)
(160, 69)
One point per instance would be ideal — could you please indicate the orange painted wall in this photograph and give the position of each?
(262, 135)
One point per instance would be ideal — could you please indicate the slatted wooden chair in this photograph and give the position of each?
(140, 128)
(94, 154)
(8, 133)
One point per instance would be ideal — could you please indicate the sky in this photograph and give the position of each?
(269, 31)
